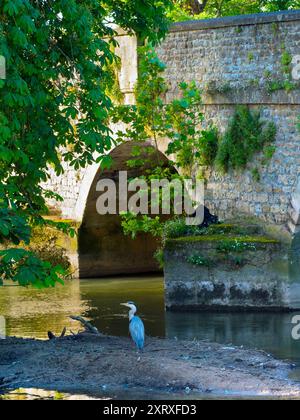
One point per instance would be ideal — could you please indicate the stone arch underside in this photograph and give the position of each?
(103, 249)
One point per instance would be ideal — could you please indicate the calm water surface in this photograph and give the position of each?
(31, 313)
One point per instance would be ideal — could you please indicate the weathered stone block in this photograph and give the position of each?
(223, 272)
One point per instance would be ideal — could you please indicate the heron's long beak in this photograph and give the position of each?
(124, 304)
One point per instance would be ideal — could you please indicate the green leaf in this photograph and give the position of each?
(105, 161)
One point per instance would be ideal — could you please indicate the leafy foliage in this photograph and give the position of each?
(54, 106)
(175, 228)
(199, 261)
(132, 225)
(13, 228)
(190, 144)
(277, 5)
(187, 9)
(235, 246)
(46, 244)
(145, 120)
(26, 269)
(246, 135)
(151, 119)
(180, 121)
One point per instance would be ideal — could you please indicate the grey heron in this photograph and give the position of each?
(136, 326)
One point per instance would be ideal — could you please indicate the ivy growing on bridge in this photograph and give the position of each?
(246, 136)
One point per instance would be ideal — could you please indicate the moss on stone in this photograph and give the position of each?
(230, 239)
(226, 228)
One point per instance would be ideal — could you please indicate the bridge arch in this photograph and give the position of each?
(103, 249)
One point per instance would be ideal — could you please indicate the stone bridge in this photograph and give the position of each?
(233, 60)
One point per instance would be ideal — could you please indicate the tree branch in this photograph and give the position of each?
(87, 325)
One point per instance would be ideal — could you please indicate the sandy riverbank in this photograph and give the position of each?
(99, 365)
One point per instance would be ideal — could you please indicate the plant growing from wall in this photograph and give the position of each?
(286, 62)
(198, 260)
(256, 174)
(246, 135)
(285, 82)
(238, 246)
(214, 88)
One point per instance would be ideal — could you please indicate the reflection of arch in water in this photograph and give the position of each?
(103, 248)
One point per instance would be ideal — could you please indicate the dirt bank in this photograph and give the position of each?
(99, 364)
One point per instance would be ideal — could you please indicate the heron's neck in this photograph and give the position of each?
(132, 312)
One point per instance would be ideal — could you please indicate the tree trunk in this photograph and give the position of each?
(196, 7)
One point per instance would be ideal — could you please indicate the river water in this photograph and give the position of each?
(32, 313)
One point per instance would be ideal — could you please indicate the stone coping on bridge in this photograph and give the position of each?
(241, 20)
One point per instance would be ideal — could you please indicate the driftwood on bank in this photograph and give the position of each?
(52, 336)
(88, 328)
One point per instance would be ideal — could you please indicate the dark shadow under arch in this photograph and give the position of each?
(103, 248)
